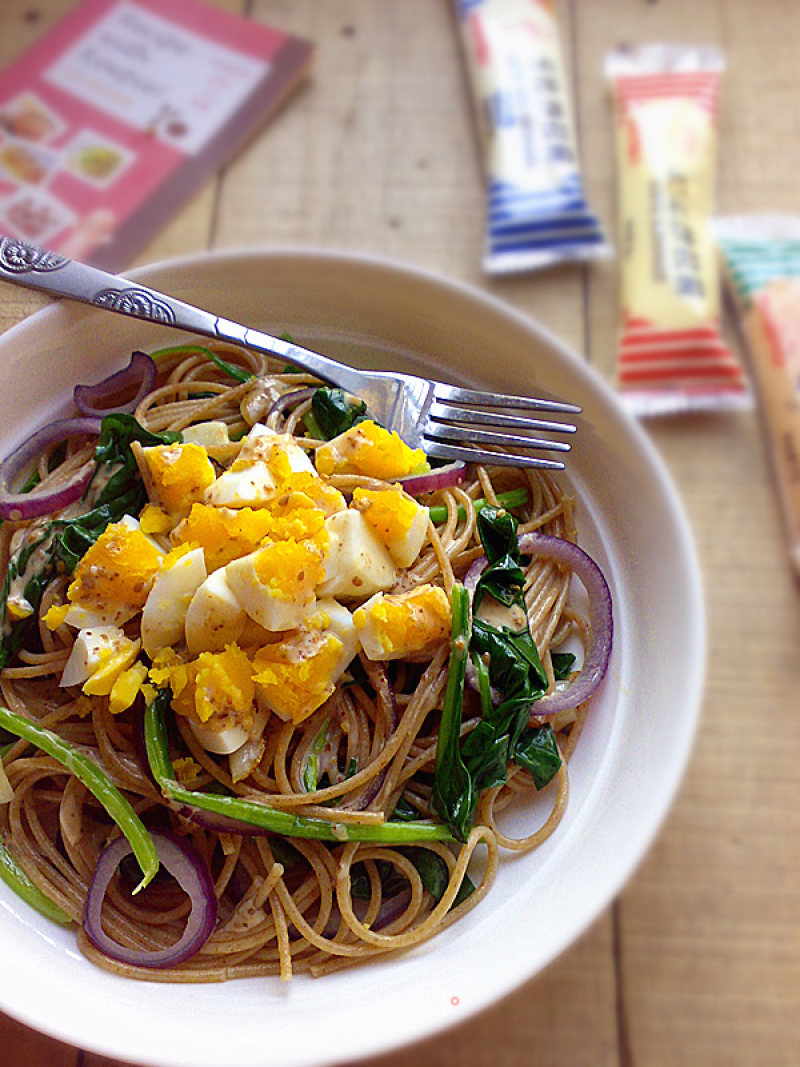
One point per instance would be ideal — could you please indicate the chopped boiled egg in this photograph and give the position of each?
(356, 563)
(224, 533)
(368, 449)
(304, 490)
(154, 520)
(212, 436)
(126, 688)
(264, 463)
(275, 584)
(215, 617)
(176, 475)
(391, 626)
(215, 693)
(114, 576)
(221, 742)
(93, 647)
(296, 675)
(398, 521)
(164, 613)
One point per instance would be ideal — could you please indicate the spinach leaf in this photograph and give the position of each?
(334, 412)
(563, 662)
(506, 661)
(537, 751)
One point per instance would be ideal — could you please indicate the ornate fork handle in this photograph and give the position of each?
(36, 268)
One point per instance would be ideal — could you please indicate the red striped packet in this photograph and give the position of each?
(672, 357)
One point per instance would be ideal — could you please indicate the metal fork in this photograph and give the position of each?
(446, 421)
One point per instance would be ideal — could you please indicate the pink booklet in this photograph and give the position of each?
(111, 121)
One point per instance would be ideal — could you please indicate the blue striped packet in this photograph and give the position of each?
(537, 213)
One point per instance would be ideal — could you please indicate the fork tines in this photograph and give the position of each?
(452, 429)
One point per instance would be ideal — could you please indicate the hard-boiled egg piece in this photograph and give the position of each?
(114, 577)
(126, 687)
(213, 436)
(356, 563)
(215, 617)
(397, 520)
(265, 461)
(391, 626)
(296, 675)
(164, 613)
(245, 487)
(215, 692)
(368, 449)
(224, 533)
(304, 490)
(92, 647)
(221, 742)
(176, 475)
(279, 451)
(275, 584)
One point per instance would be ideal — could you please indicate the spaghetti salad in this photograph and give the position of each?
(269, 680)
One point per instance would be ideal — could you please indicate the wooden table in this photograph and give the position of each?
(698, 961)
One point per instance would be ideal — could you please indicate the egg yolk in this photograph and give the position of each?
(178, 475)
(223, 533)
(405, 623)
(218, 684)
(390, 513)
(368, 449)
(118, 568)
(287, 567)
(296, 679)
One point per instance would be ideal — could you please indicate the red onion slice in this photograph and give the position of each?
(601, 622)
(222, 824)
(290, 400)
(191, 873)
(97, 399)
(44, 501)
(441, 478)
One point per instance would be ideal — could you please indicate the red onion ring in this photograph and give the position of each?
(222, 824)
(186, 866)
(390, 908)
(287, 400)
(44, 501)
(601, 622)
(92, 399)
(441, 478)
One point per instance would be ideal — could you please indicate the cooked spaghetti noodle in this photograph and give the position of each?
(286, 904)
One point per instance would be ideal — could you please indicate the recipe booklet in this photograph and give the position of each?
(111, 121)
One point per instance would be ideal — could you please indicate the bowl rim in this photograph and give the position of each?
(602, 394)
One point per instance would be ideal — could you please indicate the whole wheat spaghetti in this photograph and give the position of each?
(336, 828)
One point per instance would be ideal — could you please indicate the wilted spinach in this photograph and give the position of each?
(507, 661)
(335, 411)
(56, 546)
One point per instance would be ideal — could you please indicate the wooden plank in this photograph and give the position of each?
(22, 1047)
(376, 156)
(708, 939)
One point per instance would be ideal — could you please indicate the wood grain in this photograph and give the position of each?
(698, 963)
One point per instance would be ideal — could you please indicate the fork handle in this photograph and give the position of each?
(36, 268)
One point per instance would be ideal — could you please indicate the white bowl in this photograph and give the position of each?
(628, 762)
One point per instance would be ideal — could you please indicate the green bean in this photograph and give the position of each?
(514, 498)
(96, 781)
(261, 815)
(16, 879)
